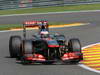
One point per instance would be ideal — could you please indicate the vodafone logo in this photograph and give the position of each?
(30, 22)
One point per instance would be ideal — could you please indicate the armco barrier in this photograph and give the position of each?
(16, 4)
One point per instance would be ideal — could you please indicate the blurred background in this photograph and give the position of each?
(16, 4)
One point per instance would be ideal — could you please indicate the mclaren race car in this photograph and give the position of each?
(43, 47)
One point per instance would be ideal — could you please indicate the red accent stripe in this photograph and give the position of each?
(95, 66)
(31, 26)
(91, 60)
(33, 22)
(90, 63)
(53, 45)
(91, 54)
(90, 50)
(88, 57)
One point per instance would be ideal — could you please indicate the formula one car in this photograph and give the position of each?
(43, 47)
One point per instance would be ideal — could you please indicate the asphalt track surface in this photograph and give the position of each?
(88, 34)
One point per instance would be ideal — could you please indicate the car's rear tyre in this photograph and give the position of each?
(27, 50)
(28, 47)
(74, 45)
(15, 46)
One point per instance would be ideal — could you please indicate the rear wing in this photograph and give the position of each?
(33, 24)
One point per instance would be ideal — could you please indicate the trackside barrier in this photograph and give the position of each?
(16, 4)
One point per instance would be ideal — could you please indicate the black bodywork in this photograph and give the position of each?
(44, 48)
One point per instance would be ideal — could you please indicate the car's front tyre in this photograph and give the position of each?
(14, 46)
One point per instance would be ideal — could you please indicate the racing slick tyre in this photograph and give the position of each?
(28, 47)
(74, 45)
(15, 46)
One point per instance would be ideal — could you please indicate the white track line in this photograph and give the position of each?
(51, 13)
(86, 67)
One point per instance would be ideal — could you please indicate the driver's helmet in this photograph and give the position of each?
(57, 34)
(44, 34)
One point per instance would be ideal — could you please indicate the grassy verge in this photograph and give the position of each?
(52, 9)
(10, 26)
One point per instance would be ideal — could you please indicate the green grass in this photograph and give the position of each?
(46, 9)
(52, 9)
(10, 26)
